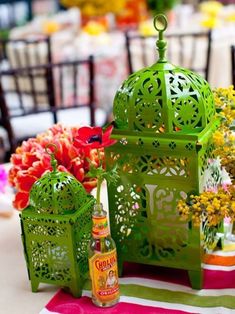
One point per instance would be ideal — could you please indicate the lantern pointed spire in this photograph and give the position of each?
(161, 43)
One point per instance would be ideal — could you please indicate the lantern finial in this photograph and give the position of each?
(52, 154)
(161, 43)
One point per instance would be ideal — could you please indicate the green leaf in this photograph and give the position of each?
(109, 176)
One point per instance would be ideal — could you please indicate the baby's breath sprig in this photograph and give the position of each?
(209, 206)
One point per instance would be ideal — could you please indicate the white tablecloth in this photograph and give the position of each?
(16, 296)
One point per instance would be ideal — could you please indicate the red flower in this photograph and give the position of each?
(77, 168)
(25, 181)
(21, 200)
(89, 184)
(93, 137)
(91, 142)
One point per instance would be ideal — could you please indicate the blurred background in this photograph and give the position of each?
(63, 61)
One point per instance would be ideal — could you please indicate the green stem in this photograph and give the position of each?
(99, 182)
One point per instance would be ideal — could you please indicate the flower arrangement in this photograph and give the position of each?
(77, 153)
(224, 137)
(3, 179)
(209, 206)
(93, 138)
(91, 8)
(208, 210)
(217, 202)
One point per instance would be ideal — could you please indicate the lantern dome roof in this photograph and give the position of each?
(57, 192)
(163, 98)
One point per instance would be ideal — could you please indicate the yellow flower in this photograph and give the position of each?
(88, 10)
(146, 28)
(210, 22)
(224, 139)
(94, 28)
(218, 138)
(50, 27)
(95, 7)
(211, 7)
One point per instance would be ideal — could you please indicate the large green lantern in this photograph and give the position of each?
(56, 230)
(164, 118)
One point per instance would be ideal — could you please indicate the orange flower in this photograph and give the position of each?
(31, 161)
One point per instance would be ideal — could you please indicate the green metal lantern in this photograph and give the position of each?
(56, 229)
(164, 118)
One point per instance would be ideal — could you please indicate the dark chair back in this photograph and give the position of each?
(56, 92)
(21, 53)
(189, 50)
(233, 64)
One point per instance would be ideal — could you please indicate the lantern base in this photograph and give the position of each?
(34, 285)
(196, 279)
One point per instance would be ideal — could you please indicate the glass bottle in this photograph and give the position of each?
(103, 261)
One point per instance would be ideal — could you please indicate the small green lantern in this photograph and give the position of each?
(56, 230)
(164, 118)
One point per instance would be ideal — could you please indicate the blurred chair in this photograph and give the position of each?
(15, 54)
(18, 53)
(233, 64)
(189, 50)
(60, 92)
(14, 12)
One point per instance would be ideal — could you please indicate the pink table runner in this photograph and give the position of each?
(147, 289)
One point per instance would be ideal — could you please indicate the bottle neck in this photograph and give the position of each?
(100, 228)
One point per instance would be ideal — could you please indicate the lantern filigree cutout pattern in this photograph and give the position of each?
(157, 100)
(164, 118)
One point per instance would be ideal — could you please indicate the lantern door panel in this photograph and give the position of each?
(144, 221)
(146, 227)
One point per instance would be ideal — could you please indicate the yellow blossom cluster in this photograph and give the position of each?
(211, 7)
(209, 206)
(224, 137)
(210, 11)
(92, 8)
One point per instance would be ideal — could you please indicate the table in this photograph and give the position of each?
(16, 296)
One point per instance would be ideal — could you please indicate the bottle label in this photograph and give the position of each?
(100, 227)
(104, 276)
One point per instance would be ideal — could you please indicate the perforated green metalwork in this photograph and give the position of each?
(55, 246)
(57, 192)
(164, 99)
(164, 118)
